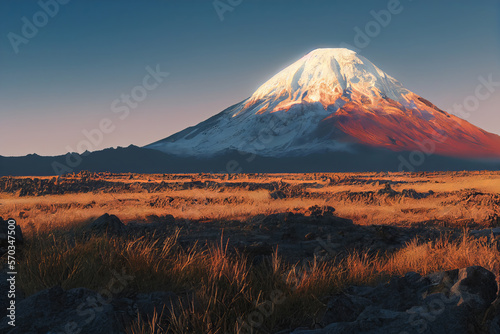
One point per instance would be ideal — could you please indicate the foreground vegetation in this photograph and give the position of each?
(218, 289)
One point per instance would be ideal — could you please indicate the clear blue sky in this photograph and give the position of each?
(65, 78)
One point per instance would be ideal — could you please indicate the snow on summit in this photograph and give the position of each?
(324, 75)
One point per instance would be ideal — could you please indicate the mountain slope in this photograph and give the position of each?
(328, 101)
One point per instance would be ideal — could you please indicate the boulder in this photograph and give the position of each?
(107, 224)
(476, 287)
(444, 302)
(485, 232)
(57, 311)
(387, 190)
(84, 311)
(320, 211)
(278, 194)
(344, 308)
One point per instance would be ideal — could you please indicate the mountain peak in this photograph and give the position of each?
(325, 76)
(332, 52)
(329, 100)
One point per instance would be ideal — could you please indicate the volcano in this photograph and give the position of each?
(331, 111)
(332, 100)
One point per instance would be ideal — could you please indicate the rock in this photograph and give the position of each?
(344, 308)
(320, 211)
(400, 293)
(476, 287)
(160, 220)
(167, 219)
(55, 311)
(387, 190)
(161, 202)
(278, 194)
(493, 219)
(445, 302)
(411, 193)
(279, 218)
(485, 232)
(84, 311)
(152, 218)
(107, 224)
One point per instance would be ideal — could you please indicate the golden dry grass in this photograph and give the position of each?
(45, 213)
(218, 287)
(223, 286)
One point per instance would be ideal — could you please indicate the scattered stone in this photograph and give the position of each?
(485, 232)
(320, 211)
(53, 310)
(412, 193)
(161, 202)
(444, 302)
(387, 190)
(493, 220)
(108, 224)
(84, 311)
(160, 220)
(278, 194)
(476, 287)
(344, 308)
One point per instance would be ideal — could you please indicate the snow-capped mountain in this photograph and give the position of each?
(331, 100)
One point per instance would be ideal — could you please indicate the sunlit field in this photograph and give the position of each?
(458, 199)
(185, 234)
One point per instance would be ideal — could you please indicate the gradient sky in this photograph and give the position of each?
(65, 78)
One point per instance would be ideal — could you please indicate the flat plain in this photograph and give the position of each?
(220, 247)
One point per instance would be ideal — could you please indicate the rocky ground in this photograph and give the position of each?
(462, 300)
(455, 301)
